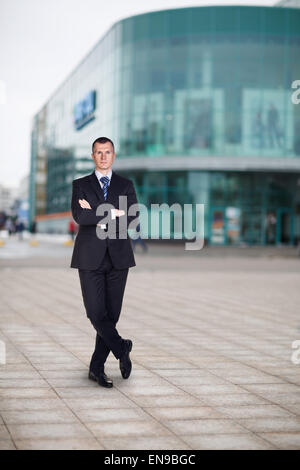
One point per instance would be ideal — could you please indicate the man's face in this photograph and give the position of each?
(103, 155)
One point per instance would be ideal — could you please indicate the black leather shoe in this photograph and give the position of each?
(92, 376)
(125, 362)
(101, 378)
(104, 380)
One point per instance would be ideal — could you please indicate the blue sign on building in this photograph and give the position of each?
(84, 110)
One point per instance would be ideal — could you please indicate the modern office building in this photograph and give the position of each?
(199, 104)
(289, 3)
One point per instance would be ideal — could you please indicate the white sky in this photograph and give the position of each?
(41, 41)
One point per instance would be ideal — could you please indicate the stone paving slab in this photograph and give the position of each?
(212, 346)
(58, 444)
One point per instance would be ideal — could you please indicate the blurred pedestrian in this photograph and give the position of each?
(33, 229)
(139, 240)
(71, 229)
(9, 225)
(20, 228)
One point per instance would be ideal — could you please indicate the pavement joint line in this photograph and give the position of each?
(83, 387)
(236, 338)
(44, 378)
(59, 397)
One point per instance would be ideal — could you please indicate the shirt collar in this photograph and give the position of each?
(99, 175)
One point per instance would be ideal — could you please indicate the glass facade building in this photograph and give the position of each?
(198, 102)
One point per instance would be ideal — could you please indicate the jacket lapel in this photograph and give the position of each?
(96, 186)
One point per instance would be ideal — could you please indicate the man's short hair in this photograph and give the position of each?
(103, 140)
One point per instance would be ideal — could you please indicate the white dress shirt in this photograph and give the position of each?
(100, 175)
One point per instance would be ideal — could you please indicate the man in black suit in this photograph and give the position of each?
(102, 259)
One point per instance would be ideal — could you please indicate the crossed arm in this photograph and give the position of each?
(86, 205)
(84, 214)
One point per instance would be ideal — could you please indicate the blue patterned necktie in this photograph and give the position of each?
(105, 181)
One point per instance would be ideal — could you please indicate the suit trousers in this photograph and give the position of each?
(102, 291)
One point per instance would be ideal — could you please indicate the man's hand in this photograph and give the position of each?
(84, 204)
(119, 212)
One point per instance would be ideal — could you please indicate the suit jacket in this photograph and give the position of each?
(89, 249)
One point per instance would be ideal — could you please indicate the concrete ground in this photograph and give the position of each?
(212, 335)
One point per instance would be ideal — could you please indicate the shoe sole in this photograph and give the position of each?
(105, 386)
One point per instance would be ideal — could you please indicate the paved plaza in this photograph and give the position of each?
(212, 334)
